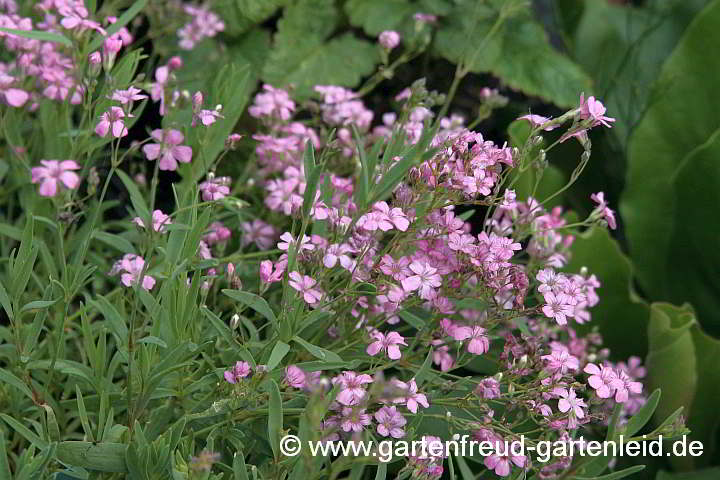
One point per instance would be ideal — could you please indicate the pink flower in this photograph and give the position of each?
(130, 267)
(426, 279)
(288, 241)
(604, 211)
(570, 401)
(537, 121)
(112, 120)
(479, 342)
(389, 39)
(294, 376)
(624, 385)
(270, 273)
(411, 398)
(500, 464)
(237, 373)
(259, 232)
(549, 280)
(395, 217)
(206, 117)
(386, 343)
(457, 332)
(557, 308)
(595, 110)
(602, 379)
(398, 270)
(488, 388)
(215, 189)
(159, 221)
(217, 233)
(352, 387)
(338, 253)
(168, 149)
(273, 102)
(128, 96)
(441, 356)
(14, 97)
(390, 422)
(425, 17)
(354, 419)
(204, 23)
(560, 362)
(53, 171)
(304, 285)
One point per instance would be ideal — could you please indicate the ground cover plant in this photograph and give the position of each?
(227, 222)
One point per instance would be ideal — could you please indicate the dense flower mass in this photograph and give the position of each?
(333, 270)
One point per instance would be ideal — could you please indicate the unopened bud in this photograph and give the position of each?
(175, 62)
(197, 100)
(231, 142)
(111, 47)
(235, 321)
(95, 61)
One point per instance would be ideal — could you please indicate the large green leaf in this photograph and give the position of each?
(514, 48)
(623, 48)
(682, 362)
(673, 170)
(302, 55)
(241, 15)
(375, 16)
(620, 312)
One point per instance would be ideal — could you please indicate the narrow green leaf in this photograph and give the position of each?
(392, 178)
(278, 353)
(38, 305)
(381, 473)
(53, 428)
(102, 457)
(422, 373)
(82, 413)
(153, 340)
(115, 241)
(123, 20)
(643, 415)
(10, 379)
(363, 184)
(136, 198)
(115, 320)
(312, 176)
(24, 431)
(5, 301)
(239, 468)
(412, 319)
(318, 352)
(37, 35)
(225, 332)
(4, 465)
(253, 301)
(616, 475)
(275, 417)
(465, 472)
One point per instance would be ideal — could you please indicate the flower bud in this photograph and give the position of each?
(111, 47)
(235, 321)
(174, 63)
(95, 62)
(232, 141)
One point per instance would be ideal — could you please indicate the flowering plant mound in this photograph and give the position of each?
(330, 272)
